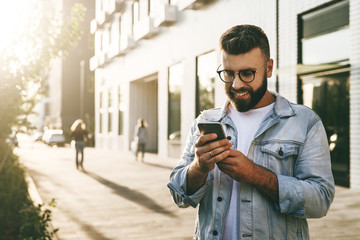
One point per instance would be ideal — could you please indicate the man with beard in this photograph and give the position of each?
(273, 170)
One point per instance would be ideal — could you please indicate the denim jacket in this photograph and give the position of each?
(292, 143)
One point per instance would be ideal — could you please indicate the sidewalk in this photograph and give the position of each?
(118, 198)
(113, 198)
(342, 220)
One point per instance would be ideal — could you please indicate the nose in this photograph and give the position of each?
(237, 83)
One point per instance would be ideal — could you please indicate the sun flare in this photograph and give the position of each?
(14, 16)
(15, 22)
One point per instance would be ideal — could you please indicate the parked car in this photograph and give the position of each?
(54, 137)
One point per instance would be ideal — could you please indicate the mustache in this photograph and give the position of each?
(243, 89)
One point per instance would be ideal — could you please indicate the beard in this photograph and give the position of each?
(244, 105)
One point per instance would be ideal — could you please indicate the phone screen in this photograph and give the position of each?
(206, 128)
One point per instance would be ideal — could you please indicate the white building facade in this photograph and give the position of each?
(157, 59)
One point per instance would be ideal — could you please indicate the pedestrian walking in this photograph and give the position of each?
(273, 169)
(79, 134)
(140, 138)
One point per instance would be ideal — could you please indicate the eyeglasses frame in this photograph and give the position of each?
(238, 73)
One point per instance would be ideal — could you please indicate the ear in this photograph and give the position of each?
(269, 67)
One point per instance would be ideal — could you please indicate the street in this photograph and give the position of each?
(115, 197)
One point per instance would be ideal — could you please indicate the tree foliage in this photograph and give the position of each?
(26, 62)
(19, 218)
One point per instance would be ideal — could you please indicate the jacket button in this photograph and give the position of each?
(215, 233)
(228, 138)
(281, 153)
(219, 199)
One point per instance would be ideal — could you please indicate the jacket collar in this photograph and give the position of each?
(282, 109)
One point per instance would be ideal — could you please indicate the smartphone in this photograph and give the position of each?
(206, 128)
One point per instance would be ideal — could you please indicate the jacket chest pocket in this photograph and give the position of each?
(280, 157)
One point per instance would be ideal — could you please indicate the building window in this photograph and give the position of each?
(323, 29)
(174, 116)
(327, 93)
(110, 99)
(100, 100)
(205, 81)
(110, 110)
(100, 123)
(101, 110)
(121, 99)
(324, 75)
(109, 121)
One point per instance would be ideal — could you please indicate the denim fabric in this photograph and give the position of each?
(292, 143)
(79, 146)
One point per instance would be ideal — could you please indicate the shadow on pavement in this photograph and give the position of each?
(131, 194)
(90, 230)
(158, 166)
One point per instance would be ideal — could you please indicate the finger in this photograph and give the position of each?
(202, 152)
(205, 155)
(224, 143)
(235, 153)
(204, 139)
(207, 151)
(221, 156)
(217, 150)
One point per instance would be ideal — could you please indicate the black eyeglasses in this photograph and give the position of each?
(228, 76)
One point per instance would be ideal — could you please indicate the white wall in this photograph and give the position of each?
(354, 95)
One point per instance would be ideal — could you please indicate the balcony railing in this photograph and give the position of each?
(192, 4)
(165, 15)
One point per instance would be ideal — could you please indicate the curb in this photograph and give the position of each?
(36, 199)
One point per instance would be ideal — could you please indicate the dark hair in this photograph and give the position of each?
(241, 39)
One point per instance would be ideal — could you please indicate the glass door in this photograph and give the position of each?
(327, 94)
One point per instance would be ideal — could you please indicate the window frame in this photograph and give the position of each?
(199, 108)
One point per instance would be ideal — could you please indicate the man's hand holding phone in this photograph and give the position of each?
(212, 146)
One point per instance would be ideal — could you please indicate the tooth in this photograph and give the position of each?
(241, 94)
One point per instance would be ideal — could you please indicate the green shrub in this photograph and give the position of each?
(19, 218)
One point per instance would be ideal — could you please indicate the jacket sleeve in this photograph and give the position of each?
(311, 191)
(178, 176)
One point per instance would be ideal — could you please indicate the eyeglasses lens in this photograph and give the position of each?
(229, 76)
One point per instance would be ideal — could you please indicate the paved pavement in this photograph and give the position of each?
(115, 197)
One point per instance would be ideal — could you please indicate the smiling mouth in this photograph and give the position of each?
(240, 94)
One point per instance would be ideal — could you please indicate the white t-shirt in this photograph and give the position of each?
(246, 123)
